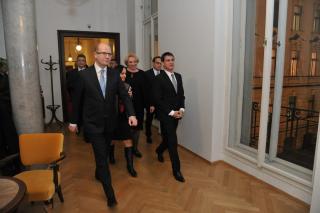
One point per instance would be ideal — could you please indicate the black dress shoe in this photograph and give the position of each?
(132, 172)
(160, 157)
(137, 153)
(178, 176)
(149, 140)
(112, 202)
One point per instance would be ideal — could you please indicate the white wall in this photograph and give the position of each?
(190, 36)
(2, 43)
(53, 15)
(131, 26)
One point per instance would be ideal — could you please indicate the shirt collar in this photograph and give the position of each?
(98, 68)
(156, 71)
(169, 73)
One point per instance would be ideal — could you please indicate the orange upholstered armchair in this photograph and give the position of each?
(41, 149)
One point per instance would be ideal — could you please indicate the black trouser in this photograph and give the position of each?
(149, 118)
(170, 141)
(100, 144)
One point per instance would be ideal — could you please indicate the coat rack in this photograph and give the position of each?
(53, 108)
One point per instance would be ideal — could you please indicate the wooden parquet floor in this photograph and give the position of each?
(216, 188)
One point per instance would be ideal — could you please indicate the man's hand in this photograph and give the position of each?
(181, 113)
(73, 128)
(152, 108)
(132, 121)
(177, 114)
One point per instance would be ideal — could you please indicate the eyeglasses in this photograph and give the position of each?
(157, 62)
(104, 53)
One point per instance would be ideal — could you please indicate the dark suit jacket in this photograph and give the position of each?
(137, 81)
(150, 76)
(165, 96)
(99, 114)
(72, 77)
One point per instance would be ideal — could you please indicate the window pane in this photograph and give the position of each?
(294, 63)
(147, 8)
(147, 45)
(156, 38)
(316, 20)
(300, 102)
(313, 65)
(297, 13)
(154, 6)
(247, 73)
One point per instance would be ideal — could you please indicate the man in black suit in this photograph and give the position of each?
(150, 109)
(72, 76)
(95, 98)
(169, 102)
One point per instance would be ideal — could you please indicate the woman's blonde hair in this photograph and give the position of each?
(130, 55)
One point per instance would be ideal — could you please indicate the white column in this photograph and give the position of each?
(22, 55)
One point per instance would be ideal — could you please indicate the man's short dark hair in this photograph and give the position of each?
(155, 58)
(165, 55)
(81, 56)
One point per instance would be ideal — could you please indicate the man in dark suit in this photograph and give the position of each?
(72, 76)
(95, 98)
(150, 109)
(169, 102)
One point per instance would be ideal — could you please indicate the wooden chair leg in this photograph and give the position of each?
(48, 202)
(60, 194)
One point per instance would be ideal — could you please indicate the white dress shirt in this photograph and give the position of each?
(98, 69)
(156, 72)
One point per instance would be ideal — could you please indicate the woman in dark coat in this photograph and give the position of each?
(137, 80)
(123, 131)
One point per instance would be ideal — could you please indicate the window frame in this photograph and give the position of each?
(233, 146)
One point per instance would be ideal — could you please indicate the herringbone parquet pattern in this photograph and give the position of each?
(217, 188)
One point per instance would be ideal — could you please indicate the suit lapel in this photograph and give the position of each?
(166, 77)
(94, 77)
(109, 80)
(152, 73)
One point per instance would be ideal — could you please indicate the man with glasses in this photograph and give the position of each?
(150, 109)
(95, 99)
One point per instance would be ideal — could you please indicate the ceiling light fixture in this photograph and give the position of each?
(78, 47)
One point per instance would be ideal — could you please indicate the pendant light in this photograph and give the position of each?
(78, 47)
